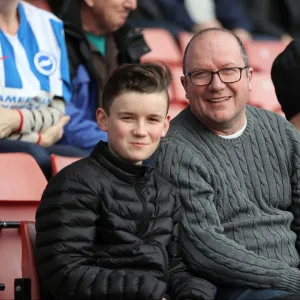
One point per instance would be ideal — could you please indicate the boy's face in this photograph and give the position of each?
(135, 125)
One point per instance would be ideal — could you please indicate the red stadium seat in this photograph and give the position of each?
(163, 47)
(179, 92)
(21, 186)
(183, 39)
(175, 108)
(17, 261)
(262, 54)
(27, 231)
(59, 162)
(263, 92)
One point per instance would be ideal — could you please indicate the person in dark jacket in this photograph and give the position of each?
(107, 225)
(284, 73)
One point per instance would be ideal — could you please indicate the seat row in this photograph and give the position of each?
(21, 186)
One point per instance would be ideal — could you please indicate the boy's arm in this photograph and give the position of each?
(182, 284)
(65, 243)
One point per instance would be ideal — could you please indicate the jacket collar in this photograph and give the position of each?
(120, 168)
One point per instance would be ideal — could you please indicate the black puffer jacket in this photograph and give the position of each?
(104, 231)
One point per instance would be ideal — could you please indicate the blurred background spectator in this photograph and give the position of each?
(192, 16)
(274, 19)
(34, 83)
(98, 40)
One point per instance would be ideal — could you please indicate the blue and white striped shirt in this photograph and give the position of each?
(35, 65)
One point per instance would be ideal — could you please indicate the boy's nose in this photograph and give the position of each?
(140, 129)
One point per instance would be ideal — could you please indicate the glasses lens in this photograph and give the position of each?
(201, 78)
(230, 74)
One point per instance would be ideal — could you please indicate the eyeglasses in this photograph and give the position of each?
(226, 75)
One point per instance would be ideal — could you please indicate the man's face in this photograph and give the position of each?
(219, 106)
(112, 14)
(135, 124)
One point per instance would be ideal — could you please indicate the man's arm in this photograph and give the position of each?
(205, 247)
(65, 244)
(182, 284)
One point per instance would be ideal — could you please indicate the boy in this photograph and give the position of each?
(107, 224)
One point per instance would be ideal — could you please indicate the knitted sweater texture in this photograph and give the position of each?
(240, 198)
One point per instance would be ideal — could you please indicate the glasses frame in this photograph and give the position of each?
(189, 74)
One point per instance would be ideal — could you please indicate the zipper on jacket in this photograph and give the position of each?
(144, 220)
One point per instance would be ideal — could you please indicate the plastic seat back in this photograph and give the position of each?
(59, 162)
(10, 260)
(263, 93)
(163, 47)
(262, 54)
(28, 233)
(175, 108)
(21, 186)
(183, 39)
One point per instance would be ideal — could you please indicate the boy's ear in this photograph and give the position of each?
(102, 119)
(166, 126)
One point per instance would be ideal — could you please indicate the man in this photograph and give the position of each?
(236, 169)
(97, 41)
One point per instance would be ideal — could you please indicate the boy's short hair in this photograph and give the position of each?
(141, 78)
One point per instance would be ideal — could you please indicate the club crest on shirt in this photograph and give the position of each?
(45, 63)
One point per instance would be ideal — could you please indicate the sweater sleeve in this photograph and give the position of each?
(182, 284)
(205, 247)
(39, 120)
(65, 245)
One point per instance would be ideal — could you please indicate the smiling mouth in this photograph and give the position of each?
(139, 144)
(217, 100)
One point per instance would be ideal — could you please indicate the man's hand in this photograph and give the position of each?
(54, 133)
(9, 121)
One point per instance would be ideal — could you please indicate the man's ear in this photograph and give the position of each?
(102, 119)
(250, 73)
(166, 126)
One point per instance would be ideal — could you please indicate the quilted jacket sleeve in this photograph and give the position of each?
(182, 284)
(66, 230)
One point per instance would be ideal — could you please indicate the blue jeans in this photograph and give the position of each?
(41, 154)
(248, 294)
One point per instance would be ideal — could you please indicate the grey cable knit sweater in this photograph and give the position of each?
(240, 197)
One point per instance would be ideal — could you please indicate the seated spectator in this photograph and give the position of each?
(233, 16)
(236, 169)
(34, 83)
(203, 13)
(97, 41)
(274, 19)
(107, 226)
(285, 72)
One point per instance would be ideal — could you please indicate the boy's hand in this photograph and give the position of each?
(54, 133)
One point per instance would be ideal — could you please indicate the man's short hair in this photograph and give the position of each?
(215, 29)
(144, 78)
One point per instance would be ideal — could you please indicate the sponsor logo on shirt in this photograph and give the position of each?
(45, 63)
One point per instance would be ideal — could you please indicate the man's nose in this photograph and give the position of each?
(131, 4)
(216, 83)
